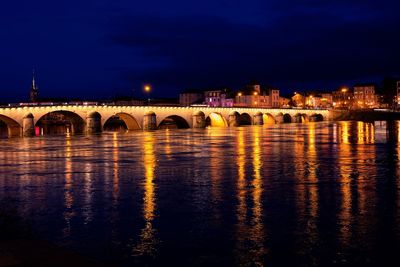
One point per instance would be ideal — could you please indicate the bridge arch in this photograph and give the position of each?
(215, 119)
(245, 119)
(301, 118)
(60, 122)
(316, 117)
(121, 122)
(268, 118)
(9, 127)
(287, 118)
(94, 114)
(173, 122)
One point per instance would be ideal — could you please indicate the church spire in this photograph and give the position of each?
(34, 89)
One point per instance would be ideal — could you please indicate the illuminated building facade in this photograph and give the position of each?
(365, 97)
(319, 100)
(298, 100)
(217, 98)
(254, 96)
(189, 98)
(342, 98)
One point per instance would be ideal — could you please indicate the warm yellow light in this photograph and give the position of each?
(147, 88)
(239, 94)
(255, 93)
(217, 120)
(344, 90)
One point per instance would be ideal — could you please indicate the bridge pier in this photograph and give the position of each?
(297, 119)
(93, 123)
(199, 120)
(234, 120)
(28, 126)
(149, 121)
(258, 119)
(279, 118)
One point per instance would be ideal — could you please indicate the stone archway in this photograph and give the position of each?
(121, 122)
(60, 122)
(268, 118)
(245, 119)
(9, 127)
(173, 122)
(300, 118)
(287, 118)
(215, 120)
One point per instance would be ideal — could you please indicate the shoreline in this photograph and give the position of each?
(364, 115)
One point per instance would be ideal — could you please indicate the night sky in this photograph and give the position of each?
(102, 48)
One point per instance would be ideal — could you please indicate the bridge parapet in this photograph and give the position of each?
(23, 120)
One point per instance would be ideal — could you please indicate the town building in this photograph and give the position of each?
(254, 96)
(321, 100)
(191, 97)
(298, 100)
(364, 96)
(342, 98)
(218, 98)
(284, 102)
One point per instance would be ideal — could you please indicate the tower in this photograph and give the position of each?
(34, 89)
(398, 94)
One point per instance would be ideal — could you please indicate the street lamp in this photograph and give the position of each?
(147, 89)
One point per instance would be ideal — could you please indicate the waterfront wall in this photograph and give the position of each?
(364, 115)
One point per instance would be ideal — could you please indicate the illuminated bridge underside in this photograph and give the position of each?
(23, 121)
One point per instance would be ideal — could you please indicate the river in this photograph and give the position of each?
(313, 194)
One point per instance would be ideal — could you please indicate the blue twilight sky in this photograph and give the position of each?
(102, 48)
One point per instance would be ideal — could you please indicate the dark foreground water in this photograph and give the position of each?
(296, 194)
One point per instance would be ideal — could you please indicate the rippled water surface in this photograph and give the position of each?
(296, 194)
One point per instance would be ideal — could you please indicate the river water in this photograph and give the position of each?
(313, 194)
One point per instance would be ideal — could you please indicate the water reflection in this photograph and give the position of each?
(257, 231)
(302, 193)
(115, 159)
(68, 195)
(147, 245)
(250, 234)
(357, 173)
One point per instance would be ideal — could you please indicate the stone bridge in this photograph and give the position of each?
(25, 120)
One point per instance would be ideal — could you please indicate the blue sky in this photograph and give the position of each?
(99, 49)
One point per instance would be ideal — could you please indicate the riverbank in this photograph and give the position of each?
(364, 115)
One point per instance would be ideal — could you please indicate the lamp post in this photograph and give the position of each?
(147, 89)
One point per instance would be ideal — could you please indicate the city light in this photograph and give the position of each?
(147, 88)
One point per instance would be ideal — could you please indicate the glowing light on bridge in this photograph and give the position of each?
(217, 120)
